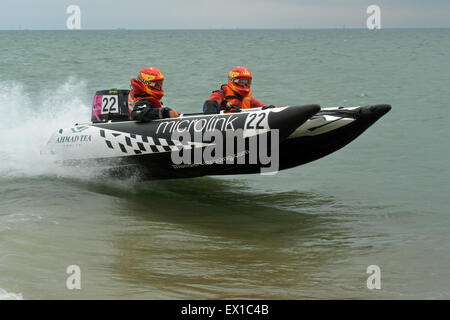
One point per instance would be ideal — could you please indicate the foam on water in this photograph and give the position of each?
(4, 295)
(28, 121)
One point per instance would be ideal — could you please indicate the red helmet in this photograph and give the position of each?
(149, 81)
(240, 80)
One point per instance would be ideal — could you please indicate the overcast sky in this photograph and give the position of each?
(222, 14)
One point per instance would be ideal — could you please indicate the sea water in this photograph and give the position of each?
(307, 232)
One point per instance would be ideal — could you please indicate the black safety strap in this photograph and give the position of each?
(235, 97)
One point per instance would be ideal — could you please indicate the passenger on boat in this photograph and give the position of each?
(235, 95)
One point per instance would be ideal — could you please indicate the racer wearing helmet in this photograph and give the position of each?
(144, 99)
(235, 95)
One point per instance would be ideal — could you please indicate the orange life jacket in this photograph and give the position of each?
(235, 99)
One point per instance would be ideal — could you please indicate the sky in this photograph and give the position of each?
(222, 14)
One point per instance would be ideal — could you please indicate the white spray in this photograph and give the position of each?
(27, 122)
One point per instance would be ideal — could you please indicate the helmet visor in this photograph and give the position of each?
(244, 82)
(157, 85)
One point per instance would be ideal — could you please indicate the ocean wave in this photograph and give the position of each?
(4, 295)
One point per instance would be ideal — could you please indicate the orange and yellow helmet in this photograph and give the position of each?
(240, 80)
(151, 80)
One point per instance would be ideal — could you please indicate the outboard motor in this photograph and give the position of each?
(110, 105)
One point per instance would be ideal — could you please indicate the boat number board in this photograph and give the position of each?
(110, 104)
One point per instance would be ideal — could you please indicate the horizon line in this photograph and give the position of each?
(222, 29)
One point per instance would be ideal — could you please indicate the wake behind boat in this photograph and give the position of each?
(295, 134)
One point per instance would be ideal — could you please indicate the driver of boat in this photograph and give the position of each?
(144, 99)
(235, 95)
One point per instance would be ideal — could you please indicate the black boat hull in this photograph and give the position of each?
(146, 150)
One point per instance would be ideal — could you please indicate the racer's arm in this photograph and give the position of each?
(144, 111)
(212, 105)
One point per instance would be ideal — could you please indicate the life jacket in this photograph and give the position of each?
(133, 98)
(235, 99)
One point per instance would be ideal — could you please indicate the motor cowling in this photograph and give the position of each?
(110, 105)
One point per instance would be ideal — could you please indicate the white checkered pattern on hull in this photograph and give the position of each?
(137, 144)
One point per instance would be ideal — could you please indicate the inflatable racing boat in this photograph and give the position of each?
(192, 145)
